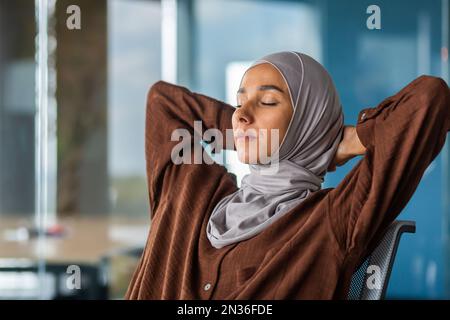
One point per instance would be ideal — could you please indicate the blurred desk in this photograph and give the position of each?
(86, 239)
(92, 243)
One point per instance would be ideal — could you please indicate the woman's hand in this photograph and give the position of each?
(349, 148)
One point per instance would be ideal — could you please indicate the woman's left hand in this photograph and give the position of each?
(349, 147)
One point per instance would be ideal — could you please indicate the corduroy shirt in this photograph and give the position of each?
(312, 251)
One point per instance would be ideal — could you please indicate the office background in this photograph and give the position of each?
(72, 106)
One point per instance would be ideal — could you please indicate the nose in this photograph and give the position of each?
(244, 114)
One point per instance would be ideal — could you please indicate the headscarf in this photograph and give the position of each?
(307, 149)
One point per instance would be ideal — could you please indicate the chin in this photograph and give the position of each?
(244, 157)
(244, 161)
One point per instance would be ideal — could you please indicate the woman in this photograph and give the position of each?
(280, 236)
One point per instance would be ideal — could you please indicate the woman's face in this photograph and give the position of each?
(264, 109)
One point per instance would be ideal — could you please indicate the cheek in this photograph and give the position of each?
(275, 122)
(234, 120)
(283, 123)
(276, 129)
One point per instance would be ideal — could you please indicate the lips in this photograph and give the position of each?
(245, 134)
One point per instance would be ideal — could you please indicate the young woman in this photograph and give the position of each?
(280, 236)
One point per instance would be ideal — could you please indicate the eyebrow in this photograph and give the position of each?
(263, 87)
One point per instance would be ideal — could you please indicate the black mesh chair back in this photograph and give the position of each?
(370, 281)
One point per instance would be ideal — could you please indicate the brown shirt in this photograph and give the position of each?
(309, 253)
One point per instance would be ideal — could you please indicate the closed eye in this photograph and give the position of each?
(263, 103)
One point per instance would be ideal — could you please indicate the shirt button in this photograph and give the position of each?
(207, 286)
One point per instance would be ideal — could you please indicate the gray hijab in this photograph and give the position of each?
(309, 146)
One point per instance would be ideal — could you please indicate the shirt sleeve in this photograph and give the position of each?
(171, 107)
(403, 135)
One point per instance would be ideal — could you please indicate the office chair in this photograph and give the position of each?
(382, 257)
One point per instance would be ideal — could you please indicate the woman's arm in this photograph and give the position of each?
(401, 137)
(171, 107)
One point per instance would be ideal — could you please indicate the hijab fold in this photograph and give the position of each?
(310, 143)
